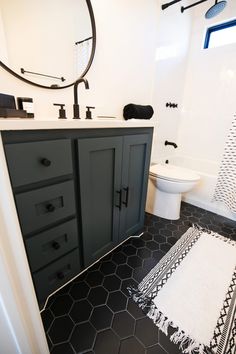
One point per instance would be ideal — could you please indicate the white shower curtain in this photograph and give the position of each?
(225, 190)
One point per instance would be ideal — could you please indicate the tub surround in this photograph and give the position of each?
(202, 195)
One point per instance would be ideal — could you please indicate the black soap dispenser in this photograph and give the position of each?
(88, 112)
(62, 111)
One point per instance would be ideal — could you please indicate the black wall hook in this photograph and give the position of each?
(172, 105)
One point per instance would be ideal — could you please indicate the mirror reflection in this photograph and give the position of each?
(46, 42)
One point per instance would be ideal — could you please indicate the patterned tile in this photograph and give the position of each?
(94, 313)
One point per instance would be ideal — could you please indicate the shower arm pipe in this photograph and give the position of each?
(192, 5)
(164, 6)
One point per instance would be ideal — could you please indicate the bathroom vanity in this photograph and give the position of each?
(79, 190)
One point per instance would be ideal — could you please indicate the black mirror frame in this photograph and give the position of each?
(92, 18)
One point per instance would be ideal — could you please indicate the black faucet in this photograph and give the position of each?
(170, 143)
(76, 105)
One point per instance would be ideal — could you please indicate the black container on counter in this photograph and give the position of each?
(26, 103)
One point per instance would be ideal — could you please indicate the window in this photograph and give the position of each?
(219, 35)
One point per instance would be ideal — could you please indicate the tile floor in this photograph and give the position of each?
(94, 313)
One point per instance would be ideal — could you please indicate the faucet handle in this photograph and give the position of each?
(88, 112)
(62, 111)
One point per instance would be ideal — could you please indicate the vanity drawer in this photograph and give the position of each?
(56, 274)
(50, 245)
(45, 206)
(38, 161)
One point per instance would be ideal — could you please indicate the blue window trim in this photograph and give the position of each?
(215, 29)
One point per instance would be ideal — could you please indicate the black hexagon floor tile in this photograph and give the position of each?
(124, 271)
(61, 305)
(98, 296)
(144, 253)
(79, 291)
(134, 310)
(94, 278)
(111, 282)
(131, 345)
(62, 349)
(83, 337)
(107, 268)
(129, 250)
(107, 342)
(47, 319)
(61, 329)
(156, 349)
(117, 301)
(134, 261)
(101, 317)
(94, 314)
(146, 331)
(119, 258)
(81, 311)
(147, 236)
(123, 324)
(152, 245)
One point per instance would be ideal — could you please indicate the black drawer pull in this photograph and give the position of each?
(120, 197)
(56, 245)
(126, 190)
(60, 275)
(45, 162)
(50, 207)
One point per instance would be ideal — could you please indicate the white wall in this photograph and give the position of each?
(122, 71)
(203, 82)
(210, 86)
(174, 30)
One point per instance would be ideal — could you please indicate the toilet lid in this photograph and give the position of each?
(173, 173)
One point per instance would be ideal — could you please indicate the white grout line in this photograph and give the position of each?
(84, 270)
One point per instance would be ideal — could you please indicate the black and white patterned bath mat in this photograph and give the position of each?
(192, 291)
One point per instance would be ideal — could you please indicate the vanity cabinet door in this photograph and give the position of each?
(136, 159)
(100, 194)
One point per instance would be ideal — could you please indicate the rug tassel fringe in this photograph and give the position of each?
(186, 344)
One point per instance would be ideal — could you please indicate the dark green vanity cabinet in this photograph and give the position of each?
(113, 181)
(78, 193)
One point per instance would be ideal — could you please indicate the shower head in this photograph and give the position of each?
(215, 9)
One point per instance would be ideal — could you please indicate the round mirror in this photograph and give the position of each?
(47, 43)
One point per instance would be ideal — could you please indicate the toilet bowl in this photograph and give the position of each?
(165, 187)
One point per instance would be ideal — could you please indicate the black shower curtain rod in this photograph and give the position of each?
(165, 6)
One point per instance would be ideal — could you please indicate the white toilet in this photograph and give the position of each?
(165, 187)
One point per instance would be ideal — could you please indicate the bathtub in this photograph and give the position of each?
(202, 194)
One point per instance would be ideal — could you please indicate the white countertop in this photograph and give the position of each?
(34, 124)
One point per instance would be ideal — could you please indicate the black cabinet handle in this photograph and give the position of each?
(126, 201)
(45, 162)
(50, 207)
(60, 275)
(120, 197)
(56, 245)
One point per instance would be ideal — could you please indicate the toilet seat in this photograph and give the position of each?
(173, 173)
